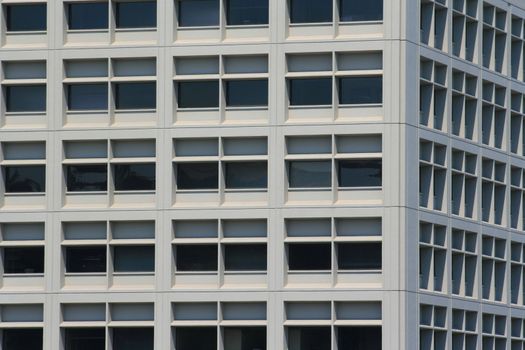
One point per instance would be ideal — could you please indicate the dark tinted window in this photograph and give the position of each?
(309, 338)
(84, 338)
(135, 96)
(310, 92)
(30, 178)
(360, 90)
(241, 93)
(245, 257)
(196, 338)
(310, 11)
(90, 97)
(310, 174)
(246, 175)
(86, 259)
(134, 177)
(197, 176)
(359, 256)
(136, 14)
(309, 256)
(245, 338)
(359, 338)
(198, 94)
(17, 339)
(359, 10)
(247, 12)
(197, 13)
(359, 173)
(197, 257)
(25, 98)
(87, 177)
(87, 15)
(134, 258)
(132, 338)
(22, 18)
(24, 260)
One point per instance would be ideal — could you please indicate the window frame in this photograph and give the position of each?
(7, 7)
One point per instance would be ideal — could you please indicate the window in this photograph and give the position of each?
(310, 11)
(300, 256)
(134, 177)
(136, 14)
(357, 10)
(84, 338)
(25, 98)
(309, 174)
(244, 338)
(197, 257)
(87, 178)
(192, 176)
(359, 173)
(309, 338)
(359, 256)
(359, 337)
(247, 12)
(23, 260)
(360, 90)
(20, 338)
(198, 94)
(87, 97)
(135, 95)
(133, 338)
(134, 258)
(243, 93)
(198, 13)
(26, 17)
(310, 91)
(245, 257)
(243, 175)
(192, 338)
(25, 178)
(87, 15)
(85, 259)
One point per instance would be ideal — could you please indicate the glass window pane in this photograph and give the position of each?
(24, 260)
(31, 178)
(245, 257)
(244, 338)
(136, 96)
(198, 13)
(241, 93)
(310, 174)
(359, 256)
(198, 257)
(195, 338)
(86, 259)
(25, 98)
(87, 177)
(360, 90)
(87, 15)
(358, 10)
(136, 14)
(309, 256)
(239, 175)
(198, 94)
(85, 338)
(87, 97)
(309, 338)
(134, 258)
(25, 17)
(27, 339)
(247, 12)
(359, 337)
(198, 176)
(133, 338)
(310, 92)
(310, 11)
(134, 177)
(360, 173)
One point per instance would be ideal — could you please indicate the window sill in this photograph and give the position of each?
(25, 194)
(85, 193)
(7, 275)
(372, 105)
(309, 106)
(312, 189)
(309, 272)
(86, 274)
(245, 190)
(26, 32)
(144, 273)
(134, 192)
(9, 114)
(361, 271)
(310, 24)
(138, 110)
(88, 31)
(198, 27)
(247, 26)
(189, 273)
(198, 109)
(364, 188)
(377, 21)
(139, 29)
(87, 111)
(211, 190)
(246, 272)
(246, 108)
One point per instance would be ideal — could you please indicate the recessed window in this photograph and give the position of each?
(85, 338)
(27, 339)
(245, 257)
(310, 174)
(80, 178)
(25, 98)
(359, 256)
(135, 95)
(358, 10)
(87, 97)
(245, 175)
(245, 338)
(198, 94)
(360, 90)
(247, 12)
(359, 337)
(192, 338)
(136, 14)
(26, 17)
(24, 260)
(310, 11)
(87, 15)
(359, 173)
(133, 338)
(134, 258)
(134, 177)
(25, 179)
(86, 259)
(195, 176)
(198, 13)
(309, 338)
(244, 93)
(196, 257)
(309, 256)
(310, 91)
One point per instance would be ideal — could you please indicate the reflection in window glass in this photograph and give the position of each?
(20, 179)
(358, 10)
(87, 15)
(196, 257)
(245, 257)
(136, 95)
(310, 11)
(247, 12)
(309, 338)
(85, 338)
(87, 97)
(310, 92)
(308, 256)
(192, 338)
(244, 338)
(26, 17)
(239, 175)
(134, 177)
(241, 93)
(198, 94)
(359, 173)
(134, 258)
(360, 90)
(310, 174)
(87, 178)
(24, 260)
(133, 338)
(136, 14)
(198, 176)
(25, 98)
(198, 13)
(85, 259)
(359, 256)
(359, 337)
(27, 339)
